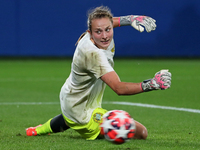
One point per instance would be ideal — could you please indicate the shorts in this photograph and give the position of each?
(91, 130)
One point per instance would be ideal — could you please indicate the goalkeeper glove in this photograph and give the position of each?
(138, 22)
(161, 80)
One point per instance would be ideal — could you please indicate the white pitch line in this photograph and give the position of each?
(117, 103)
(29, 103)
(156, 106)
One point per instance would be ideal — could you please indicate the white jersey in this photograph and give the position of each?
(83, 90)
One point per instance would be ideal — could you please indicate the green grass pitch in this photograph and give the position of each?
(27, 82)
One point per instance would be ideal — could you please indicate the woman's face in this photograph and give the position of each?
(101, 32)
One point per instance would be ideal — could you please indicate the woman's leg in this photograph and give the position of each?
(57, 124)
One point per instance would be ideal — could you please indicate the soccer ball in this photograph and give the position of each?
(117, 126)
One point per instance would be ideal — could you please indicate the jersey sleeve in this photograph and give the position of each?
(97, 63)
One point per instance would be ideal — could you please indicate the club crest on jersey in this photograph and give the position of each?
(97, 117)
(113, 50)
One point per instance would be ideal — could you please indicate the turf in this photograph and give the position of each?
(32, 81)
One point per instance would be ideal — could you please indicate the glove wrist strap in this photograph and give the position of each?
(125, 20)
(145, 85)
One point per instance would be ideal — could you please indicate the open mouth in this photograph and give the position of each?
(105, 42)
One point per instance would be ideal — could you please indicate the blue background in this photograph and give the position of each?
(52, 27)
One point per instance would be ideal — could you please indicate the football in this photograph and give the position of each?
(117, 126)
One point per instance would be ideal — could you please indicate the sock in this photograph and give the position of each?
(45, 128)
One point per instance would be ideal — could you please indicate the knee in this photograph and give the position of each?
(141, 131)
(144, 133)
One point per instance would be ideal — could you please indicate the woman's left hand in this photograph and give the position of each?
(141, 22)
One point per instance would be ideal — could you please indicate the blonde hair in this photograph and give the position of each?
(97, 13)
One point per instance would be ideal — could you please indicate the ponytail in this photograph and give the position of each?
(82, 35)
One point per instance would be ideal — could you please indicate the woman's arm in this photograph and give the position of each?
(121, 88)
(161, 80)
(137, 22)
(116, 22)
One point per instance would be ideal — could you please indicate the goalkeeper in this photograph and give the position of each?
(91, 70)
